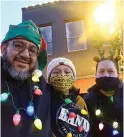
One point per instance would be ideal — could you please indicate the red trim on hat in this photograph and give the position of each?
(44, 44)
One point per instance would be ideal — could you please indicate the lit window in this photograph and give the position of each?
(75, 34)
(47, 34)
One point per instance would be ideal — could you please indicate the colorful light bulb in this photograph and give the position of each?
(35, 79)
(69, 135)
(38, 92)
(98, 112)
(37, 73)
(4, 97)
(84, 112)
(68, 101)
(115, 124)
(115, 132)
(30, 110)
(16, 119)
(38, 123)
(101, 126)
(72, 115)
(80, 129)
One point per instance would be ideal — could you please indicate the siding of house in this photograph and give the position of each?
(57, 14)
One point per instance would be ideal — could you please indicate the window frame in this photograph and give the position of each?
(83, 35)
(48, 25)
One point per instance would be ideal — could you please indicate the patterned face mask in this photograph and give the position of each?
(62, 82)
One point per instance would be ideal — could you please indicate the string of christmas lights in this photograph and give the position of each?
(30, 108)
(99, 113)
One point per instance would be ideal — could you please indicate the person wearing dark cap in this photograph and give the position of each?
(25, 100)
(105, 99)
(69, 115)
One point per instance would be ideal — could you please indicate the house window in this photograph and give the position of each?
(75, 34)
(47, 34)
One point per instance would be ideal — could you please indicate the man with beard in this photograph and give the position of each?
(105, 100)
(24, 94)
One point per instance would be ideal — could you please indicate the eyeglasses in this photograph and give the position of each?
(20, 46)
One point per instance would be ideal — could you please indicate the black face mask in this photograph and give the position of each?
(108, 83)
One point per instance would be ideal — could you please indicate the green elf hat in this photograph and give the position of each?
(29, 31)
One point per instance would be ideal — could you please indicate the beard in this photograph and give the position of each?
(18, 75)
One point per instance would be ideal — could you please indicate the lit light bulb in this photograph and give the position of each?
(115, 124)
(4, 97)
(84, 112)
(38, 123)
(101, 126)
(30, 110)
(68, 101)
(72, 115)
(98, 112)
(16, 119)
(69, 135)
(80, 129)
(37, 92)
(115, 132)
(35, 79)
(37, 73)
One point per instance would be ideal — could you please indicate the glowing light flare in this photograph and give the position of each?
(101, 126)
(105, 13)
(115, 124)
(16, 119)
(112, 29)
(98, 112)
(115, 132)
(38, 123)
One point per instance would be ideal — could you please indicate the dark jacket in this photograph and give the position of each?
(60, 123)
(21, 95)
(111, 111)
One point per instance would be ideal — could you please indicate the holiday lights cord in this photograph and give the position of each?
(30, 109)
(99, 112)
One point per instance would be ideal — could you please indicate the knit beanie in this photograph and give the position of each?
(60, 61)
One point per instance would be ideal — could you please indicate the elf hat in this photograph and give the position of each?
(60, 61)
(29, 31)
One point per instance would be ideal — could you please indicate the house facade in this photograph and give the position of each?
(68, 27)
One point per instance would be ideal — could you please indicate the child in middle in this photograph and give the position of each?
(69, 115)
